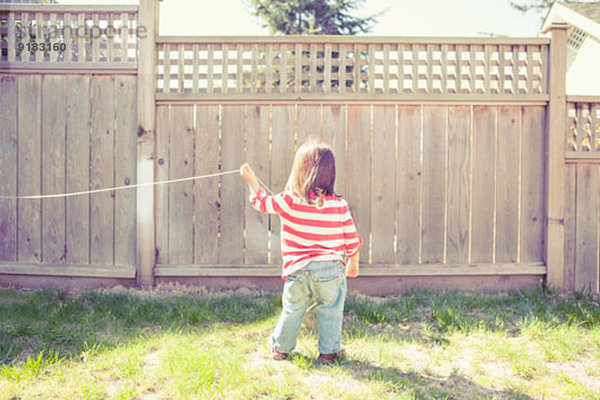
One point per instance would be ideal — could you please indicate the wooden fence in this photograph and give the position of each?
(434, 189)
(68, 123)
(582, 190)
(460, 157)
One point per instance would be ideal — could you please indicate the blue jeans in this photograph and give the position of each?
(326, 282)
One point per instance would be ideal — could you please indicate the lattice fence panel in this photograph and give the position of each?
(67, 35)
(583, 127)
(352, 68)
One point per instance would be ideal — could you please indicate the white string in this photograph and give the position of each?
(265, 186)
(52, 196)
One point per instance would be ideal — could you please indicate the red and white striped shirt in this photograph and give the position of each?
(308, 232)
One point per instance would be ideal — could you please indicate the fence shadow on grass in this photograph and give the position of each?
(417, 384)
(61, 325)
(453, 386)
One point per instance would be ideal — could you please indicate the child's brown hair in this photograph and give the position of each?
(313, 170)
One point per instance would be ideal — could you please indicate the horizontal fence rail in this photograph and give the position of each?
(46, 37)
(583, 128)
(350, 67)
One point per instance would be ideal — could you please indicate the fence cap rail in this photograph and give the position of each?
(353, 39)
(582, 99)
(57, 8)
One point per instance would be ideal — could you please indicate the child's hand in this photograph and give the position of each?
(352, 270)
(247, 173)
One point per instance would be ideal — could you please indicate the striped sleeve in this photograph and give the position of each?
(263, 202)
(352, 240)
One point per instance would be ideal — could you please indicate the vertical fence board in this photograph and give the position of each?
(434, 172)
(78, 168)
(53, 168)
(206, 191)
(384, 184)
(408, 185)
(162, 191)
(29, 111)
(358, 172)
(459, 162)
(586, 246)
(282, 158)
(482, 208)
(181, 201)
(102, 171)
(570, 225)
(125, 169)
(233, 197)
(257, 155)
(334, 132)
(8, 171)
(309, 123)
(532, 184)
(507, 202)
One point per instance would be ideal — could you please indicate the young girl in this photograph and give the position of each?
(317, 236)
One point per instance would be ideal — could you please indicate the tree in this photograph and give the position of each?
(539, 6)
(315, 17)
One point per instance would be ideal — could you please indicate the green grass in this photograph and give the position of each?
(183, 343)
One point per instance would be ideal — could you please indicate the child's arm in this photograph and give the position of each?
(352, 270)
(259, 199)
(248, 174)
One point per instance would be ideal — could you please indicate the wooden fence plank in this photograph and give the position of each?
(102, 171)
(334, 133)
(507, 202)
(8, 172)
(434, 172)
(233, 195)
(570, 225)
(483, 170)
(206, 191)
(408, 185)
(586, 246)
(53, 168)
(181, 201)
(162, 191)
(28, 169)
(459, 167)
(309, 123)
(125, 168)
(358, 172)
(257, 155)
(383, 194)
(282, 158)
(532, 184)
(11, 37)
(78, 168)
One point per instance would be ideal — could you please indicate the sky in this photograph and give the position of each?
(401, 17)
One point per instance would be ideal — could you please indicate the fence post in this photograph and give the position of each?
(146, 84)
(555, 183)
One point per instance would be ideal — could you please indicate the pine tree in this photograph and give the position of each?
(314, 17)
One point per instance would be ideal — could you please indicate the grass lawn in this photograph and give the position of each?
(178, 342)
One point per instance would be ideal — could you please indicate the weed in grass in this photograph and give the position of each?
(94, 391)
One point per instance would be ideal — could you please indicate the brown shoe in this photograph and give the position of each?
(277, 355)
(330, 358)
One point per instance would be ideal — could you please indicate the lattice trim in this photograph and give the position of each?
(68, 37)
(228, 68)
(583, 132)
